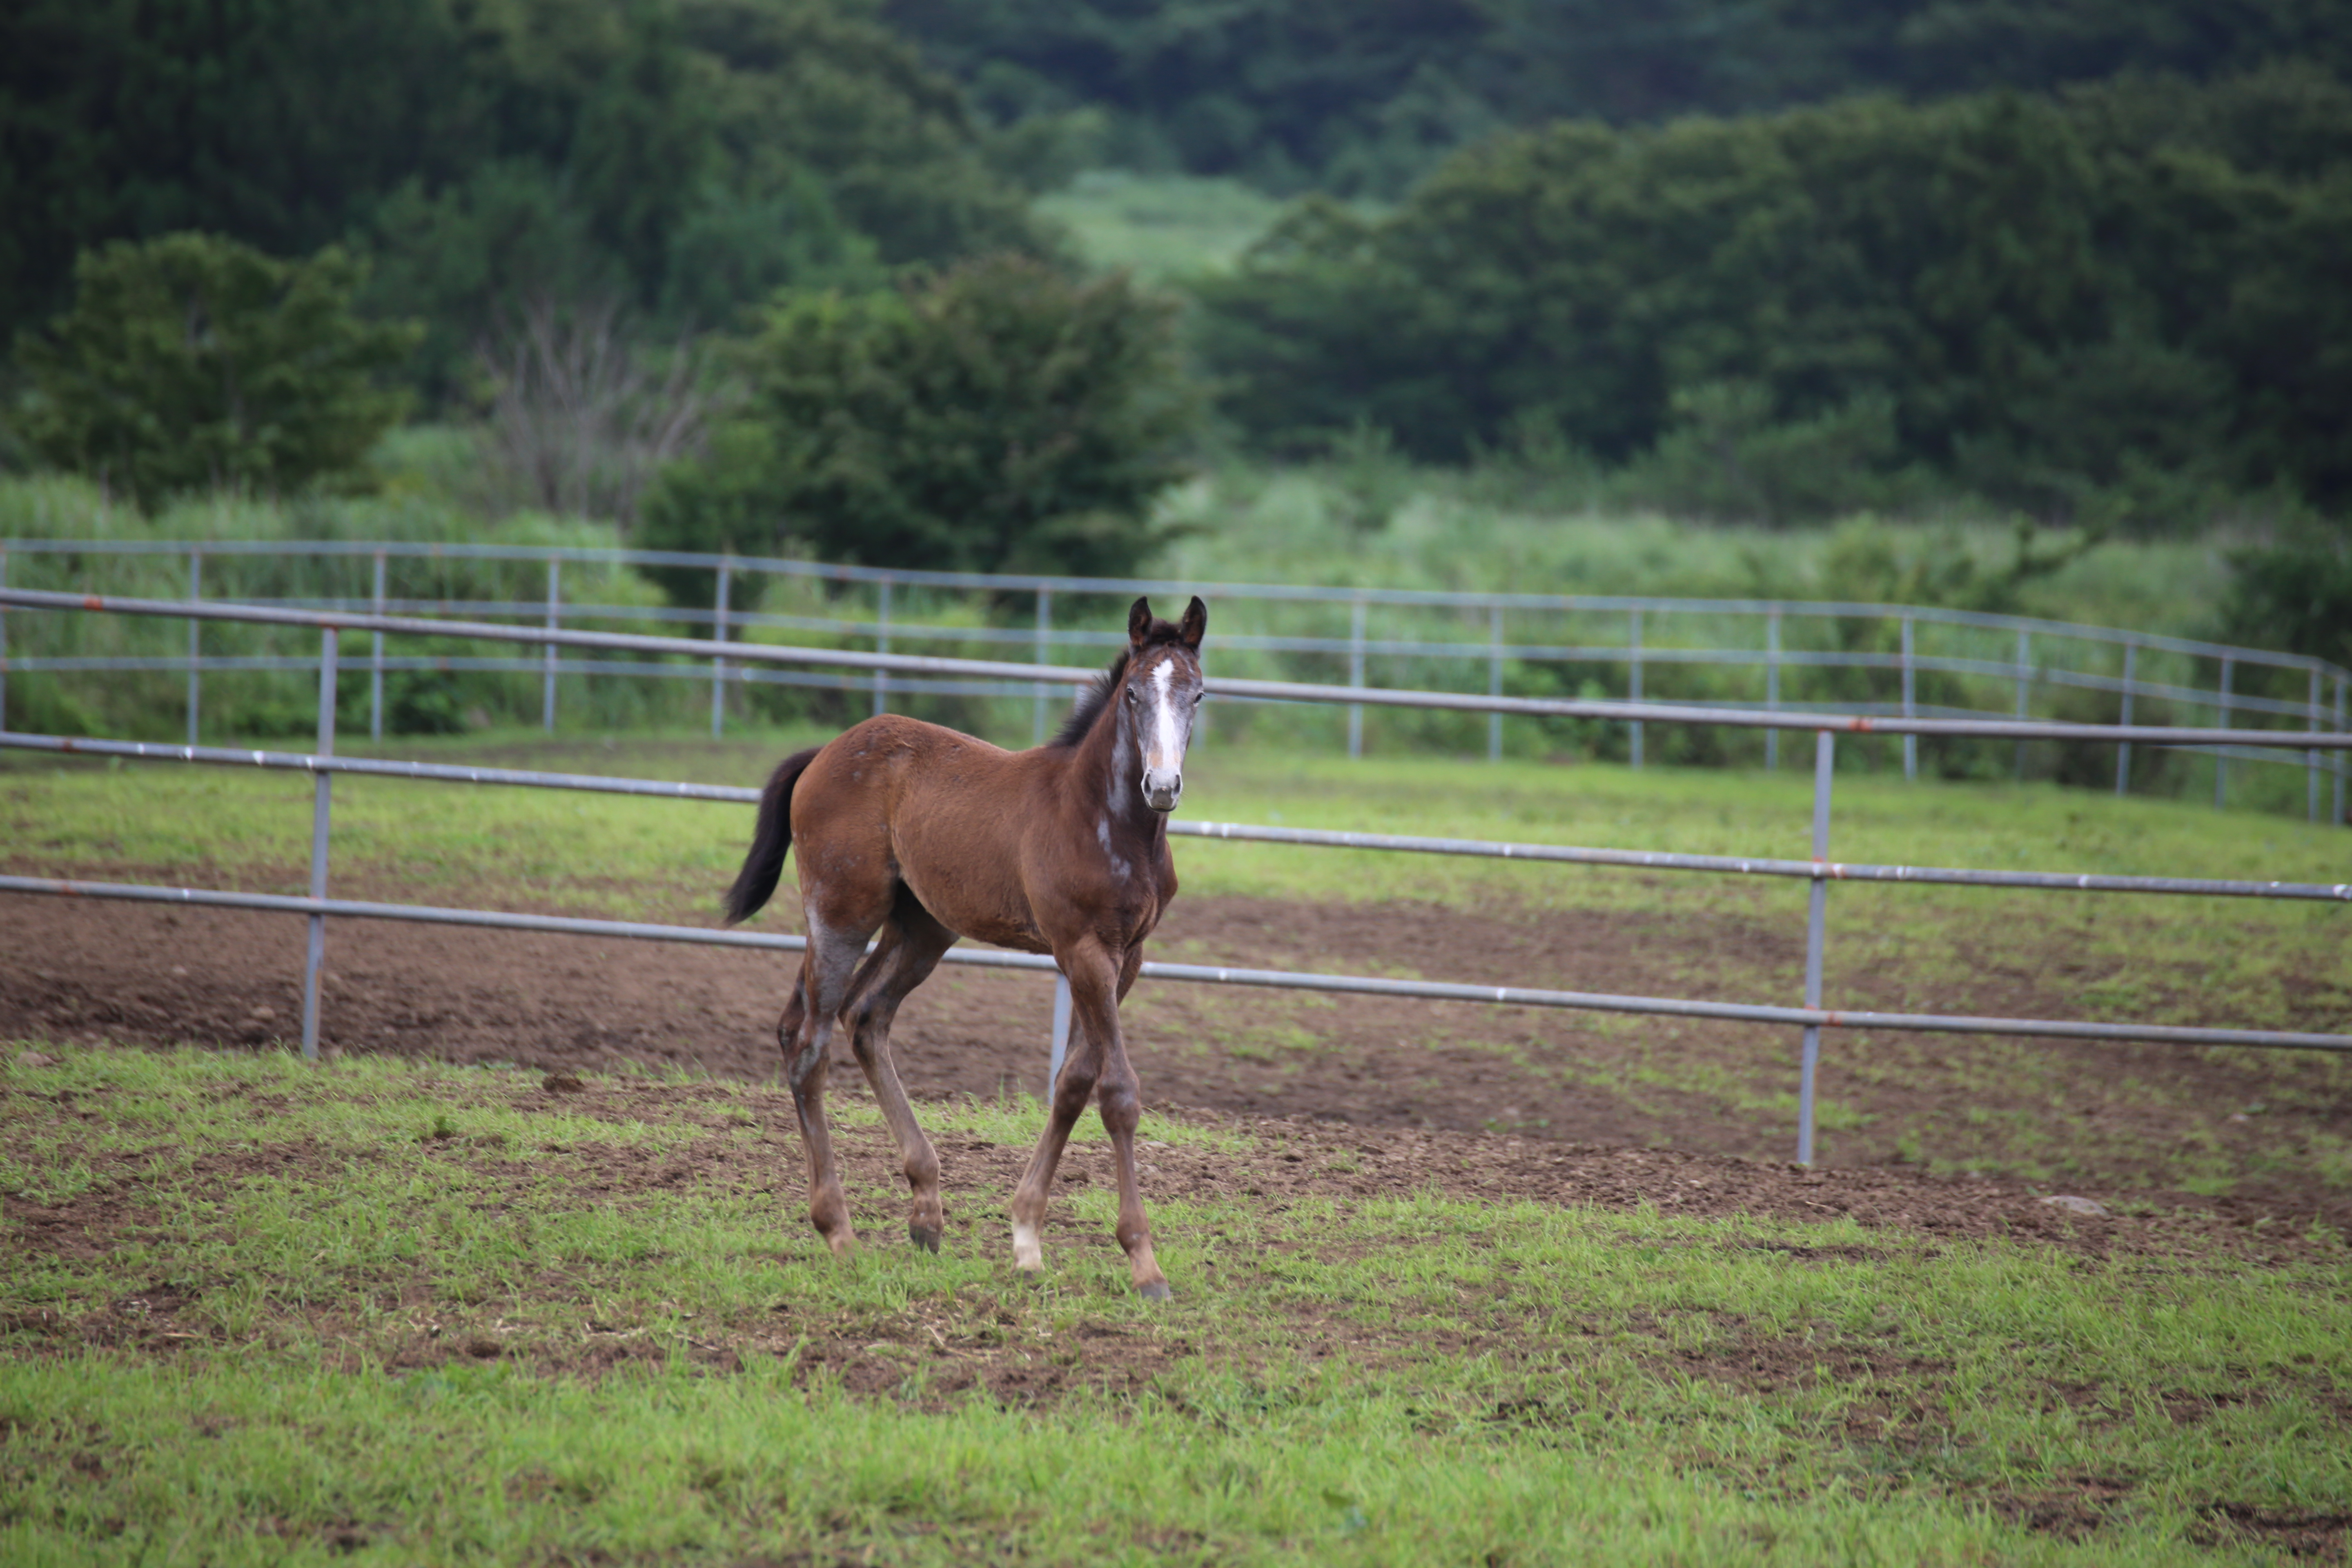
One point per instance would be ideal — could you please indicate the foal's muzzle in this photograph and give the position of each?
(1162, 788)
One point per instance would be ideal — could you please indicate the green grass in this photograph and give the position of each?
(2154, 959)
(1162, 227)
(1385, 523)
(2151, 1118)
(426, 1314)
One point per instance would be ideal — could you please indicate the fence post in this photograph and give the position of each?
(2221, 722)
(882, 645)
(2123, 748)
(2024, 685)
(1816, 923)
(1061, 1034)
(2340, 684)
(554, 620)
(1633, 687)
(4, 637)
(718, 634)
(1494, 680)
(321, 789)
(2311, 758)
(195, 641)
(1910, 707)
(1045, 626)
(1772, 687)
(1356, 678)
(376, 662)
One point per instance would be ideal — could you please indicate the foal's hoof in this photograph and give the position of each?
(1155, 1291)
(923, 1235)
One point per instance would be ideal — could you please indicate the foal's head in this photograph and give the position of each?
(1149, 695)
(1161, 693)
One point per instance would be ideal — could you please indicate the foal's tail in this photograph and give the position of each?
(765, 863)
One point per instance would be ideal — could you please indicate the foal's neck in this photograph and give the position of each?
(1106, 772)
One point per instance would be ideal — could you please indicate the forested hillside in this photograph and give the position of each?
(771, 274)
(1361, 97)
(689, 156)
(2128, 296)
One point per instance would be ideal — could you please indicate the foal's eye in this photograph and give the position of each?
(1131, 697)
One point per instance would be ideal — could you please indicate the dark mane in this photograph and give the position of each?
(1097, 696)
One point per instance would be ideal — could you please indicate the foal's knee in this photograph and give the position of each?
(1075, 1087)
(805, 1064)
(868, 1025)
(1120, 1100)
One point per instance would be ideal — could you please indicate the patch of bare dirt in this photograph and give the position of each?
(2118, 1115)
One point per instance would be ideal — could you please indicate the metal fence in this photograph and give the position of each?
(1886, 660)
(1819, 871)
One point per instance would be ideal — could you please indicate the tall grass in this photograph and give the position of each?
(1358, 518)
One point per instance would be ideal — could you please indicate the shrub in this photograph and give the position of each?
(192, 360)
(2294, 594)
(996, 417)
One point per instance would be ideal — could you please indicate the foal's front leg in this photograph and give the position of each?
(1097, 983)
(1121, 1098)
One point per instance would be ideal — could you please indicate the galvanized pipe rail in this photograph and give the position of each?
(2019, 669)
(1232, 832)
(1280, 691)
(886, 630)
(1030, 582)
(1820, 870)
(1808, 1017)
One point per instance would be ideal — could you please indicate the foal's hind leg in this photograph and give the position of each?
(807, 1035)
(912, 943)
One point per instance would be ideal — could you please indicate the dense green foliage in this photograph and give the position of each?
(684, 155)
(194, 362)
(998, 417)
(1354, 98)
(2295, 594)
(2132, 292)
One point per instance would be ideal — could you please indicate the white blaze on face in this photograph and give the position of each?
(1163, 741)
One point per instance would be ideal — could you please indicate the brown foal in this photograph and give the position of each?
(924, 835)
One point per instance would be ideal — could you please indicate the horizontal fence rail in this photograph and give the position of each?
(1024, 582)
(1275, 691)
(1203, 974)
(1311, 837)
(2009, 654)
(1819, 871)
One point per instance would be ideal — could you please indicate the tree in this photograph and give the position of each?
(2077, 305)
(680, 158)
(997, 417)
(192, 360)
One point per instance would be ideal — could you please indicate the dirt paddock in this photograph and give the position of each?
(78, 969)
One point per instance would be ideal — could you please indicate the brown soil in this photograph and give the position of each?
(72, 970)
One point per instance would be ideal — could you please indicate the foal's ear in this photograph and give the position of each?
(1138, 622)
(1196, 621)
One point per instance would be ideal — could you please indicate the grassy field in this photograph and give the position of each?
(577, 850)
(385, 1313)
(2241, 1122)
(1162, 227)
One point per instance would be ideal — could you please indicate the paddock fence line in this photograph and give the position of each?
(1820, 871)
(1989, 664)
